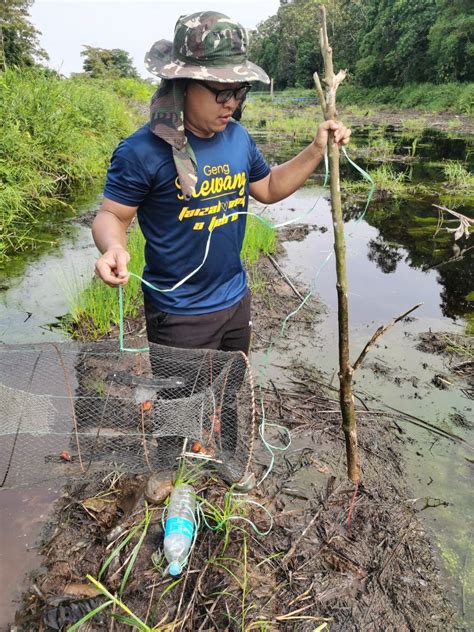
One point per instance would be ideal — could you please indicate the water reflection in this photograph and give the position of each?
(408, 226)
(384, 255)
(413, 227)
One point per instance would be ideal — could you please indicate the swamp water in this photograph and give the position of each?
(393, 263)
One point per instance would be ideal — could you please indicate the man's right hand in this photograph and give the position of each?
(112, 266)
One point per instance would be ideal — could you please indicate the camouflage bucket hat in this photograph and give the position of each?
(207, 45)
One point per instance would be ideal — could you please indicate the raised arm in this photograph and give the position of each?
(110, 235)
(285, 179)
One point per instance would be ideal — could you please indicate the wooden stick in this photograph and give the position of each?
(295, 545)
(380, 332)
(328, 105)
(284, 276)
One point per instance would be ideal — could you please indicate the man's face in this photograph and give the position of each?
(202, 114)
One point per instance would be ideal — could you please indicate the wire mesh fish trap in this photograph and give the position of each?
(77, 410)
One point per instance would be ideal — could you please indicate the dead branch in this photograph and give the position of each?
(380, 332)
(295, 545)
(328, 105)
(285, 277)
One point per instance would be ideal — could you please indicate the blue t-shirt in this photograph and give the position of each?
(142, 173)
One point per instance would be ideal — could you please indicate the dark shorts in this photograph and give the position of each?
(227, 329)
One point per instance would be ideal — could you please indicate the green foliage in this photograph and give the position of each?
(451, 49)
(458, 97)
(284, 44)
(94, 305)
(393, 49)
(103, 62)
(380, 42)
(260, 238)
(18, 38)
(131, 89)
(56, 137)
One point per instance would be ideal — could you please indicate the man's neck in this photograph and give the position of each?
(197, 132)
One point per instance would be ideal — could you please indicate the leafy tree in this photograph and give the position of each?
(102, 62)
(18, 37)
(394, 50)
(380, 42)
(451, 45)
(287, 44)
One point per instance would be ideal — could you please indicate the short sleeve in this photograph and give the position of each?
(258, 165)
(127, 182)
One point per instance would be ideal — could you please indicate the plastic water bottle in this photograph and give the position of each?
(179, 527)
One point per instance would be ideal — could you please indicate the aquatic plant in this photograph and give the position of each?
(457, 175)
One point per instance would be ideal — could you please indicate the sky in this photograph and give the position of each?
(133, 25)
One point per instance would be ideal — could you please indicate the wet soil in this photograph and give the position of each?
(458, 350)
(442, 121)
(86, 218)
(352, 557)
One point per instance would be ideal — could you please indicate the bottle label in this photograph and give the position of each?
(179, 525)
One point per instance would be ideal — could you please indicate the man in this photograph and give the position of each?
(187, 174)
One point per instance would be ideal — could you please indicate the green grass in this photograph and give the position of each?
(285, 118)
(260, 238)
(94, 306)
(386, 179)
(457, 175)
(456, 97)
(56, 138)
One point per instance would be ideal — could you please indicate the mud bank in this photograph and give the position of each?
(336, 558)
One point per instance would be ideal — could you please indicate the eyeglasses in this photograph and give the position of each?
(222, 96)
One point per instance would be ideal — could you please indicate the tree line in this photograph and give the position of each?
(380, 42)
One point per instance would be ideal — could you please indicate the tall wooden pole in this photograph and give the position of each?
(328, 105)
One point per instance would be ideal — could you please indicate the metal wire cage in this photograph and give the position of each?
(76, 410)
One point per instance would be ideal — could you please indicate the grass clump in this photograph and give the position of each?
(260, 238)
(457, 175)
(388, 183)
(94, 306)
(56, 138)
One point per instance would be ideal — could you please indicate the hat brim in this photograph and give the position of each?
(159, 62)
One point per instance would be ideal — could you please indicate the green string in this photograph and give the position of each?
(271, 448)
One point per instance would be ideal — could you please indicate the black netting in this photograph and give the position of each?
(75, 409)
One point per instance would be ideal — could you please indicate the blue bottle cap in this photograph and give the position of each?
(174, 569)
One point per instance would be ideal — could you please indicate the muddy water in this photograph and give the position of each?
(34, 295)
(23, 513)
(391, 266)
(395, 372)
(393, 263)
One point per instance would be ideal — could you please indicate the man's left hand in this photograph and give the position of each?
(341, 134)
